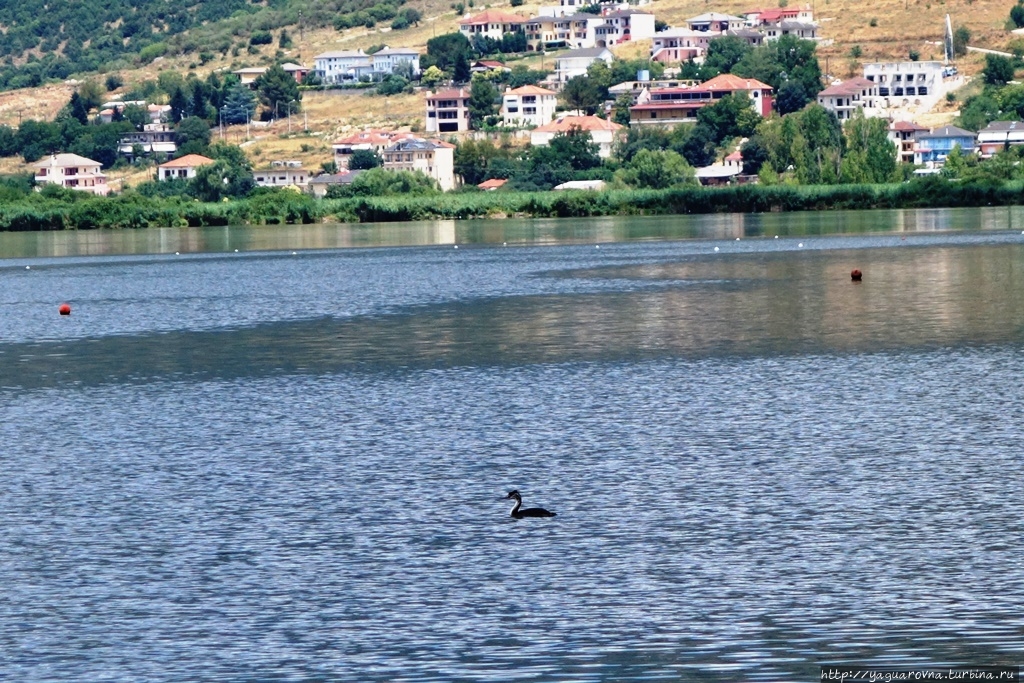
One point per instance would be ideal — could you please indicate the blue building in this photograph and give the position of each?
(933, 148)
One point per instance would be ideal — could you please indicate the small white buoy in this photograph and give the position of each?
(776, 237)
(737, 239)
(236, 251)
(504, 244)
(177, 253)
(294, 253)
(597, 246)
(716, 248)
(800, 245)
(30, 267)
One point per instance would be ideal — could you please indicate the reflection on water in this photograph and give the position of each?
(276, 467)
(512, 231)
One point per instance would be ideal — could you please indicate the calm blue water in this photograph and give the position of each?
(289, 467)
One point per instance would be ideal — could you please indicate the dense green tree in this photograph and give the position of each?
(725, 52)
(870, 155)
(277, 90)
(791, 96)
(581, 92)
(656, 169)
(521, 75)
(380, 182)
(77, 109)
(998, 69)
(978, 111)
(573, 149)
(478, 160)
(364, 159)
(697, 145)
(639, 138)
(36, 139)
(220, 180)
(731, 116)
(239, 105)
(786, 59)
(754, 155)
(192, 135)
(446, 52)
(483, 101)
(961, 36)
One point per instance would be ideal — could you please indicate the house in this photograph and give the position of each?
(491, 24)
(674, 45)
(492, 184)
(388, 60)
(904, 135)
(844, 98)
(622, 26)
(108, 109)
(790, 27)
(319, 185)
(158, 113)
(933, 148)
(342, 65)
(604, 133)
(72, 171)
(905, 85)
(774, 15)
(153, 139)
(431, 157)
(182, 167)
(482, 66)
(528, 106)
(718, 174)
(670, 106)
(576, 62)
(548, 33)
(716, 22)
(249, 74)
(282, 174)
(998, 136)
(370, 140)
(750, 36)
(448, 111)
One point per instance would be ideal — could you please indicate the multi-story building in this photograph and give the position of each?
(73, 172)
(912, 84)
(528, 106)
(390, 59)
(621, 26)
(576, 62)
(791, 27)
(491, 24)
(904, 135)
(669, 106)
(431, 157)
(154, 139)
(549, 33)
(716, 22)
(674, 45)
(844, 98)
(342, 65)
(448, 111)
(604, 133)
(998, 136)
(933, 148)
(774, 15)
(367, 140)
(282, 174)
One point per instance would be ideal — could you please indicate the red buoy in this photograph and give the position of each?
(65, 309)
(856, 275)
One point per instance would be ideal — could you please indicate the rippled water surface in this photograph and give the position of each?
(273, 466)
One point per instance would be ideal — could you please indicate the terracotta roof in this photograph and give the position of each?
(854, 86)
(531, 90)
(906, 125)
(492, 184)
(188, 161)
(735, 156)
(493, 17)
(588, 123)
(450, 94)
(730, 82)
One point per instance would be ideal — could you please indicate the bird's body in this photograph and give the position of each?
(518, 512)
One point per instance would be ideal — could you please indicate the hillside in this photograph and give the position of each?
(213, 41)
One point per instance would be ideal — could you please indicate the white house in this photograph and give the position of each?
(998, 136)
(674, 45)
(373, 140)
(791, 27)
(431, 157)
(448, 111)
(389, 59)
(73, 172)
(491, 24)
(912, 85)
(342, 65)
(154, 138)
(716, 22)
(844, 98)
(528, 106)
(182, 167)
(604, 133)
(624, 25)
(282, 174)
(576, 62)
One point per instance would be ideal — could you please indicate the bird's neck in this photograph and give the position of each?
(515, 508)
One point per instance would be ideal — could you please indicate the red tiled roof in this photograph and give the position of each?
(906, 126)
(589, 123)
(733, 83)
(531, 90)
(854, 86)
(492, 184)
(493, 17)
(451, 94)
(188, 161)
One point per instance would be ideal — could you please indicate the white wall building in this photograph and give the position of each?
(342, 65)
(576, 62)
(843, 99)
(73, 172)
(431, 157)
(528, 106)
(911, 86)
(389, 59)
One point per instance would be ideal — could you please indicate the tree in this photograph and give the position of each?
(573, 148)
(216, 181)
(961, 36)
(657, 170)
(870, 155)
(724, 53)
(998, 70)
(483, 97)
(445, 51)
(788, 58)
(180, 104)
(192, 135)
(474, 160)
(277, 90)
(731, 116)
(77, 109)
(1017, 15)
(364, 159)
(754, 156)
(621, 109)
(432, 76)
(791, 97)
(239, 104)
(581, 92)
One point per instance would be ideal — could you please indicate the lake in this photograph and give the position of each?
(289, 462)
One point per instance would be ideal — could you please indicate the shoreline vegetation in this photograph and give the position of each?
(133, 211)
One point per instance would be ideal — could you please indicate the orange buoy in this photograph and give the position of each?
(65, 309)
(856, 275)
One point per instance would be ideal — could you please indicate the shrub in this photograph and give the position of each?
(261, 38)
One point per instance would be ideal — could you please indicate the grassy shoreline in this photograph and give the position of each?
(133, 211)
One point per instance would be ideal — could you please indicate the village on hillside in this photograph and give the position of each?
(577, 37)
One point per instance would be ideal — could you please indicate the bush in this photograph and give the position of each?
(261, 38)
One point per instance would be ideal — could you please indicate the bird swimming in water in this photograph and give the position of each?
(528, 512)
